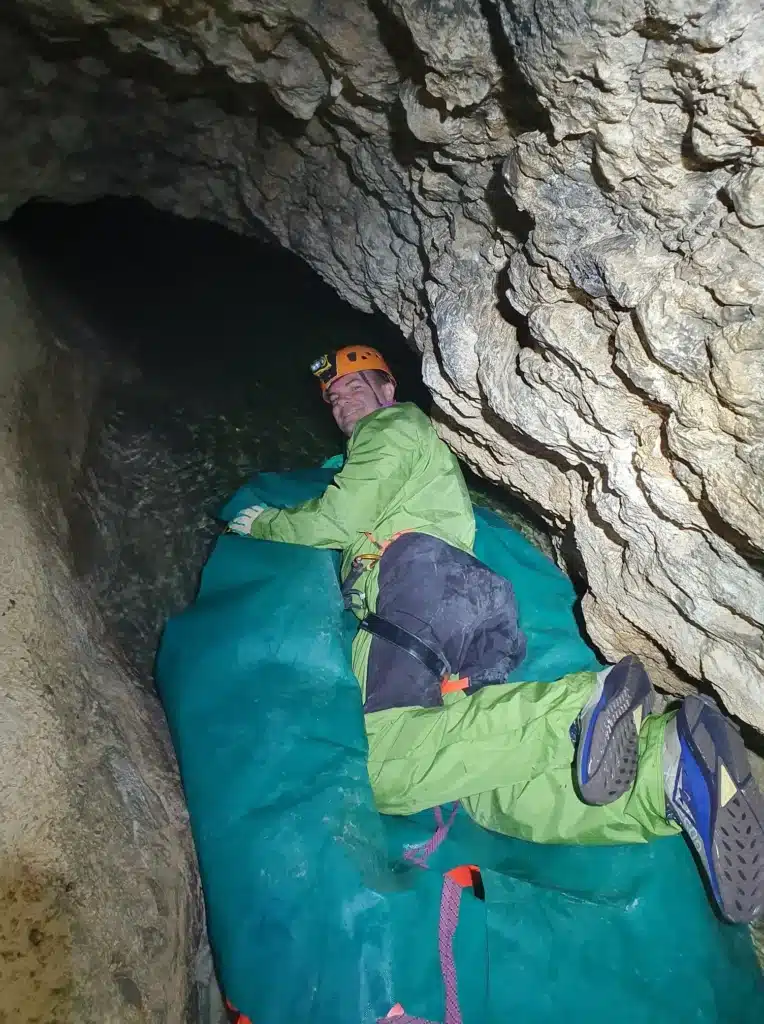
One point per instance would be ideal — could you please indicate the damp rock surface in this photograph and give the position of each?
(100, 910)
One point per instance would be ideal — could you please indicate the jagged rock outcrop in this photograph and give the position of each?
(561, 206)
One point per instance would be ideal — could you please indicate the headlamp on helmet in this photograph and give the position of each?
(351, 359)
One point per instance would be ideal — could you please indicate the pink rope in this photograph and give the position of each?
(422, 853)
(450, 900)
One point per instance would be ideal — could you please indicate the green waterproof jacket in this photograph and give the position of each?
(398, 475)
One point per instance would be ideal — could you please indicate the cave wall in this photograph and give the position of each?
(100, 909)
(559, 203)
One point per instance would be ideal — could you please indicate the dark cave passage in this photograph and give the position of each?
(206, 339)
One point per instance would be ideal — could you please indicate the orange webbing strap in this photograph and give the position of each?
(383, 545)
(396, 1011)
(464, 875)
(236, 1017)
(452, 685)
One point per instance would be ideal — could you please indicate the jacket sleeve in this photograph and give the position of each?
(378, 463)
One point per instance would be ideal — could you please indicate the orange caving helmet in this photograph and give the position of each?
(351, 359)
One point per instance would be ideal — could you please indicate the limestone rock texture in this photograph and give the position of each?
(100, 909)
(560, 203)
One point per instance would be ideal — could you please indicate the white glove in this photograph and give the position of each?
(242, 523)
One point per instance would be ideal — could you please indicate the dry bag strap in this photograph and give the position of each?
(397, 636)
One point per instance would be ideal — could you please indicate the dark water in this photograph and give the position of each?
(209, 338)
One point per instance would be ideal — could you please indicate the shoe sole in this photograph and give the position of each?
(606, 766)
(736, 872)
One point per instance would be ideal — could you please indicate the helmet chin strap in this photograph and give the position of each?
(369, 384)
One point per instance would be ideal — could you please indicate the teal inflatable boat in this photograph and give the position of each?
(322, 911)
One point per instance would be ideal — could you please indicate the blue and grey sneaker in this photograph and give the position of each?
(711, 793)
(607, 731)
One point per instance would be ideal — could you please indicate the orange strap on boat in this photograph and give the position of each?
(235, 1016)
(453, 685)
(462, 875)
(396, 1011)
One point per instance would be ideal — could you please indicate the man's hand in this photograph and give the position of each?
(242, 523)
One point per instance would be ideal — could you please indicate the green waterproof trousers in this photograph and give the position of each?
(506, 753)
